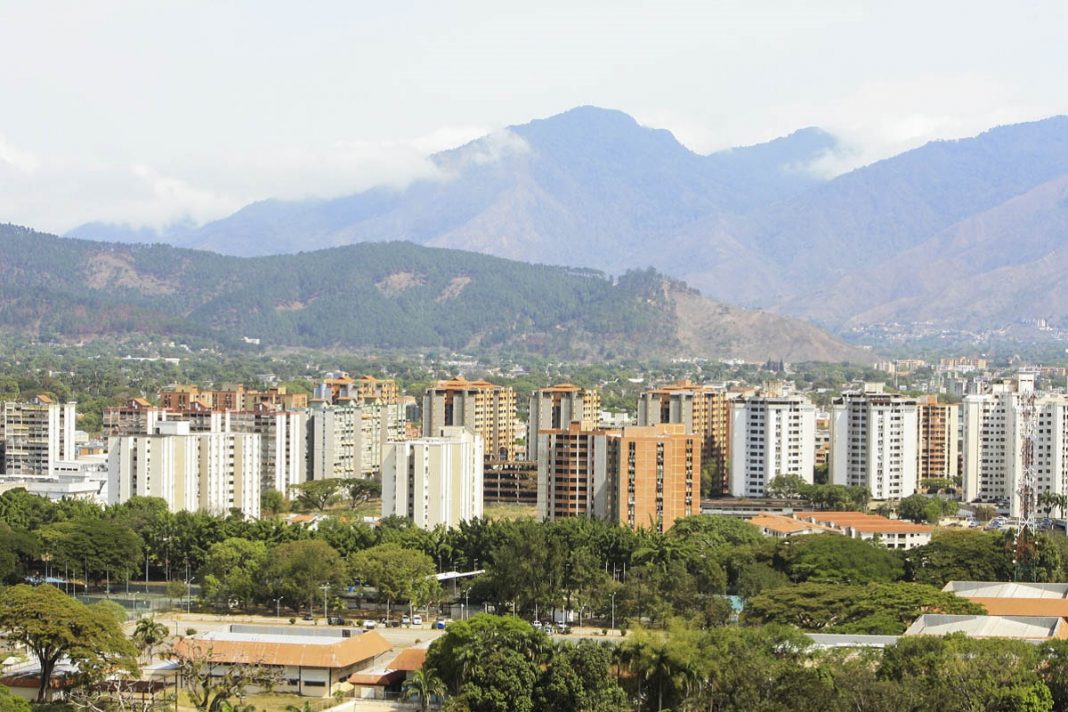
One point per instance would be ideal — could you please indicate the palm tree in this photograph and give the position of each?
(422, 685)
(148, 634)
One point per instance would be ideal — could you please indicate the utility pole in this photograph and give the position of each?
(326, 614)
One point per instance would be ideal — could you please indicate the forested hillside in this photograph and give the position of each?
(378, 295)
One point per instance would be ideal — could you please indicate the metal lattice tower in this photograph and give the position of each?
(1026, 487)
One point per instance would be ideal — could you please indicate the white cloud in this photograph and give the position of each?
(883, 119)
(22, 161)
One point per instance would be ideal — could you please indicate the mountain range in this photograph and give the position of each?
(967, 233)
(387, 295)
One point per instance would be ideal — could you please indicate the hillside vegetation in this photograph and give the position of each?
(371, 296)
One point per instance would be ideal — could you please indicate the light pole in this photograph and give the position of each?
(278, 607)
(467, 593)
(325, 587)
(613, 610)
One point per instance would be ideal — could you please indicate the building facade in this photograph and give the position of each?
(993, 433)
(482, 407)
(771, 436)
(556, 407)
(182, 397)
(35, 435)
(346, 441)
(340, 388)
(434, 480)
(874, 438)
(213, 472)
(937, 448)
(704, 410)
(642, 477)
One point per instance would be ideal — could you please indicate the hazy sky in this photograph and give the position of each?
(145, 112)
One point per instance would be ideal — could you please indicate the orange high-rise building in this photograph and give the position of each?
(641, 477)
(480, 406)
(704, 411)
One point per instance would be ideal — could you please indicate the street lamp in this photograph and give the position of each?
(278, 607)
(326, 588)
(463, 615)
(613, 610)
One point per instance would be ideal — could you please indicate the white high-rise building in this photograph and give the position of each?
(213, 472)
(770, 436)
(874, 437)
(35, 435)
(992, 443)
(434, 480)
(347, 441)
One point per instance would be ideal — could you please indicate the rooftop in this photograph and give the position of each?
(1019, 627)
(998, 589)
(292, 650)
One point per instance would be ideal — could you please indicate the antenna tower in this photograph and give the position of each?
(1024, 555)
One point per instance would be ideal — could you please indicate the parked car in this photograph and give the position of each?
(308, 617)
(335, 620)
(439, 624)
(537, 625)
(563, 628)
(417, 619)
(369, 624)
(406, 619)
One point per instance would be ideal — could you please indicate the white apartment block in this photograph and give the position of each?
(350, 441)
(434, 480)
(213, 472)
(770, 436)
(993, 435)
(874, 442)
(35, 435)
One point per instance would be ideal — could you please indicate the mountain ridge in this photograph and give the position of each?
(378, 296)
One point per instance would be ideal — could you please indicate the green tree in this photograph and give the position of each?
(316, 494)
(148, 635)
(360, 490)
(579, 677)
(105, 550)
(876, 608)
(786, 486)
(12, 703)
(54, 626)
(398, 574)
(231, 571)
(960, 556)
(296, 570)
(422, 686)
(272, 502)
(828, 558)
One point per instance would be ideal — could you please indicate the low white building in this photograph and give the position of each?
(313, 662)
(434, 480)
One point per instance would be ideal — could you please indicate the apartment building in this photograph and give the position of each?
(556, 407)
(434, 480)
(639, 476)
(482, 407)
(874, 438)
(993, 433)
(135, 417)
(704, 410)
(214, 472)
(573, 472)
(771, 436)
(340, 388)
(35, 435)
(183, 397)
(349, 440)
(937, 448)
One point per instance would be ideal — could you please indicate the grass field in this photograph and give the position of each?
(509, 511)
